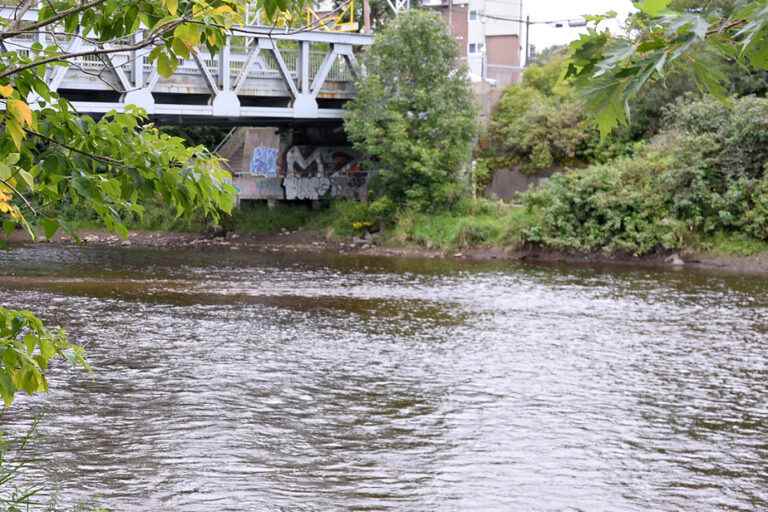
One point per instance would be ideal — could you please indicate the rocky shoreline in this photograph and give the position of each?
(316, 242)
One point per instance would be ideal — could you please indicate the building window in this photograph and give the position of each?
(473, 15)
(476, 47)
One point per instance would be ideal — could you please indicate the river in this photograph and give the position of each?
(236, 380)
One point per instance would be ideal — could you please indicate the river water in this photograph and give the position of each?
(245, 381)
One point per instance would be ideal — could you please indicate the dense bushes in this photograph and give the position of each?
(539, 124)
(542, 124)
(702, 176)
(536, 132)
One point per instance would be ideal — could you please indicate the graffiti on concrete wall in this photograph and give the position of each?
(306, 188)
(264, 161)
(314, 172)
(311, 173)
(307, 161)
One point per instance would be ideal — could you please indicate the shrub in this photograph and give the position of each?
(739, 128)
(473, 223)
(756, 218)
(673, 192)
(609, 206)
(414, 114)
(537, 132)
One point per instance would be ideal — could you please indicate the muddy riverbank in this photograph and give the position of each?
(303, 241)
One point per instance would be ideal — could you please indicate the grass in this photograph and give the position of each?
(343, 218)
(732, 244)
(156, 218)
(476, 224)
(471, 224)
(257, 218)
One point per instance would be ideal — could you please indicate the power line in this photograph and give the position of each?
(572, 22)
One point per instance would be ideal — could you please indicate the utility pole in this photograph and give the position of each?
(367, 16)
(527, 39)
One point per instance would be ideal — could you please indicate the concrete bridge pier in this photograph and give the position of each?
(294, 163)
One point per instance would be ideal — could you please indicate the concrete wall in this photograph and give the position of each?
(253, 151)
(507, 184)
(486, 96)
(503, 54)
(268, 165)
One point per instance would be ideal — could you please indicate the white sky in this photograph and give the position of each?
(544, 36)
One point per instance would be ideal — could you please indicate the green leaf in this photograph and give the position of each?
(50, 227)
(28, 178)
(653, 7)
(166, 65)
(111, 187)
(180, 48)
(172, 6)
(121, 230)
(606, 102)
(15, 131)
(9, 226)
(189, 34)
(7, 389)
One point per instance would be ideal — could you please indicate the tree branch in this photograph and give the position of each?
(53, 19)
(21, 10)
(19, 194)
(98, 158)
(149, 40)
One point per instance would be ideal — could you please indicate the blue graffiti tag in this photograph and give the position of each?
(264, 161)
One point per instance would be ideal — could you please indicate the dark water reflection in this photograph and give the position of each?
(241, 381)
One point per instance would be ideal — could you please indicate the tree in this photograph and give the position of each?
(610, 71)
(539, 124)
(414, 114)
(113, 165)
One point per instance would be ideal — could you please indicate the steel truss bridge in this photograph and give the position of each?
(263, 76)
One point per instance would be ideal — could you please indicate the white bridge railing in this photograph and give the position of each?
(265, 67)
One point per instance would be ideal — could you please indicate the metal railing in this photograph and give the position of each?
(266, 65)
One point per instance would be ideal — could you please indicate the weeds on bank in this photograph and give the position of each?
(731, 244)
(472, 224)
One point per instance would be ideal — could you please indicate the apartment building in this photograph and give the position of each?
(488, 36)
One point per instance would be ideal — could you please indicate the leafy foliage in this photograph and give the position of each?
(738, 131)
(27, 348)
(538, 124)
(414, 114)
(470, 224)
(703, 176)
(541, 124)
(112, 165)
(610, 71)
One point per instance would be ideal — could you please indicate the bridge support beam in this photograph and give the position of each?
(141, 98)
(140, 91)
(225, 102)
(304, 102)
